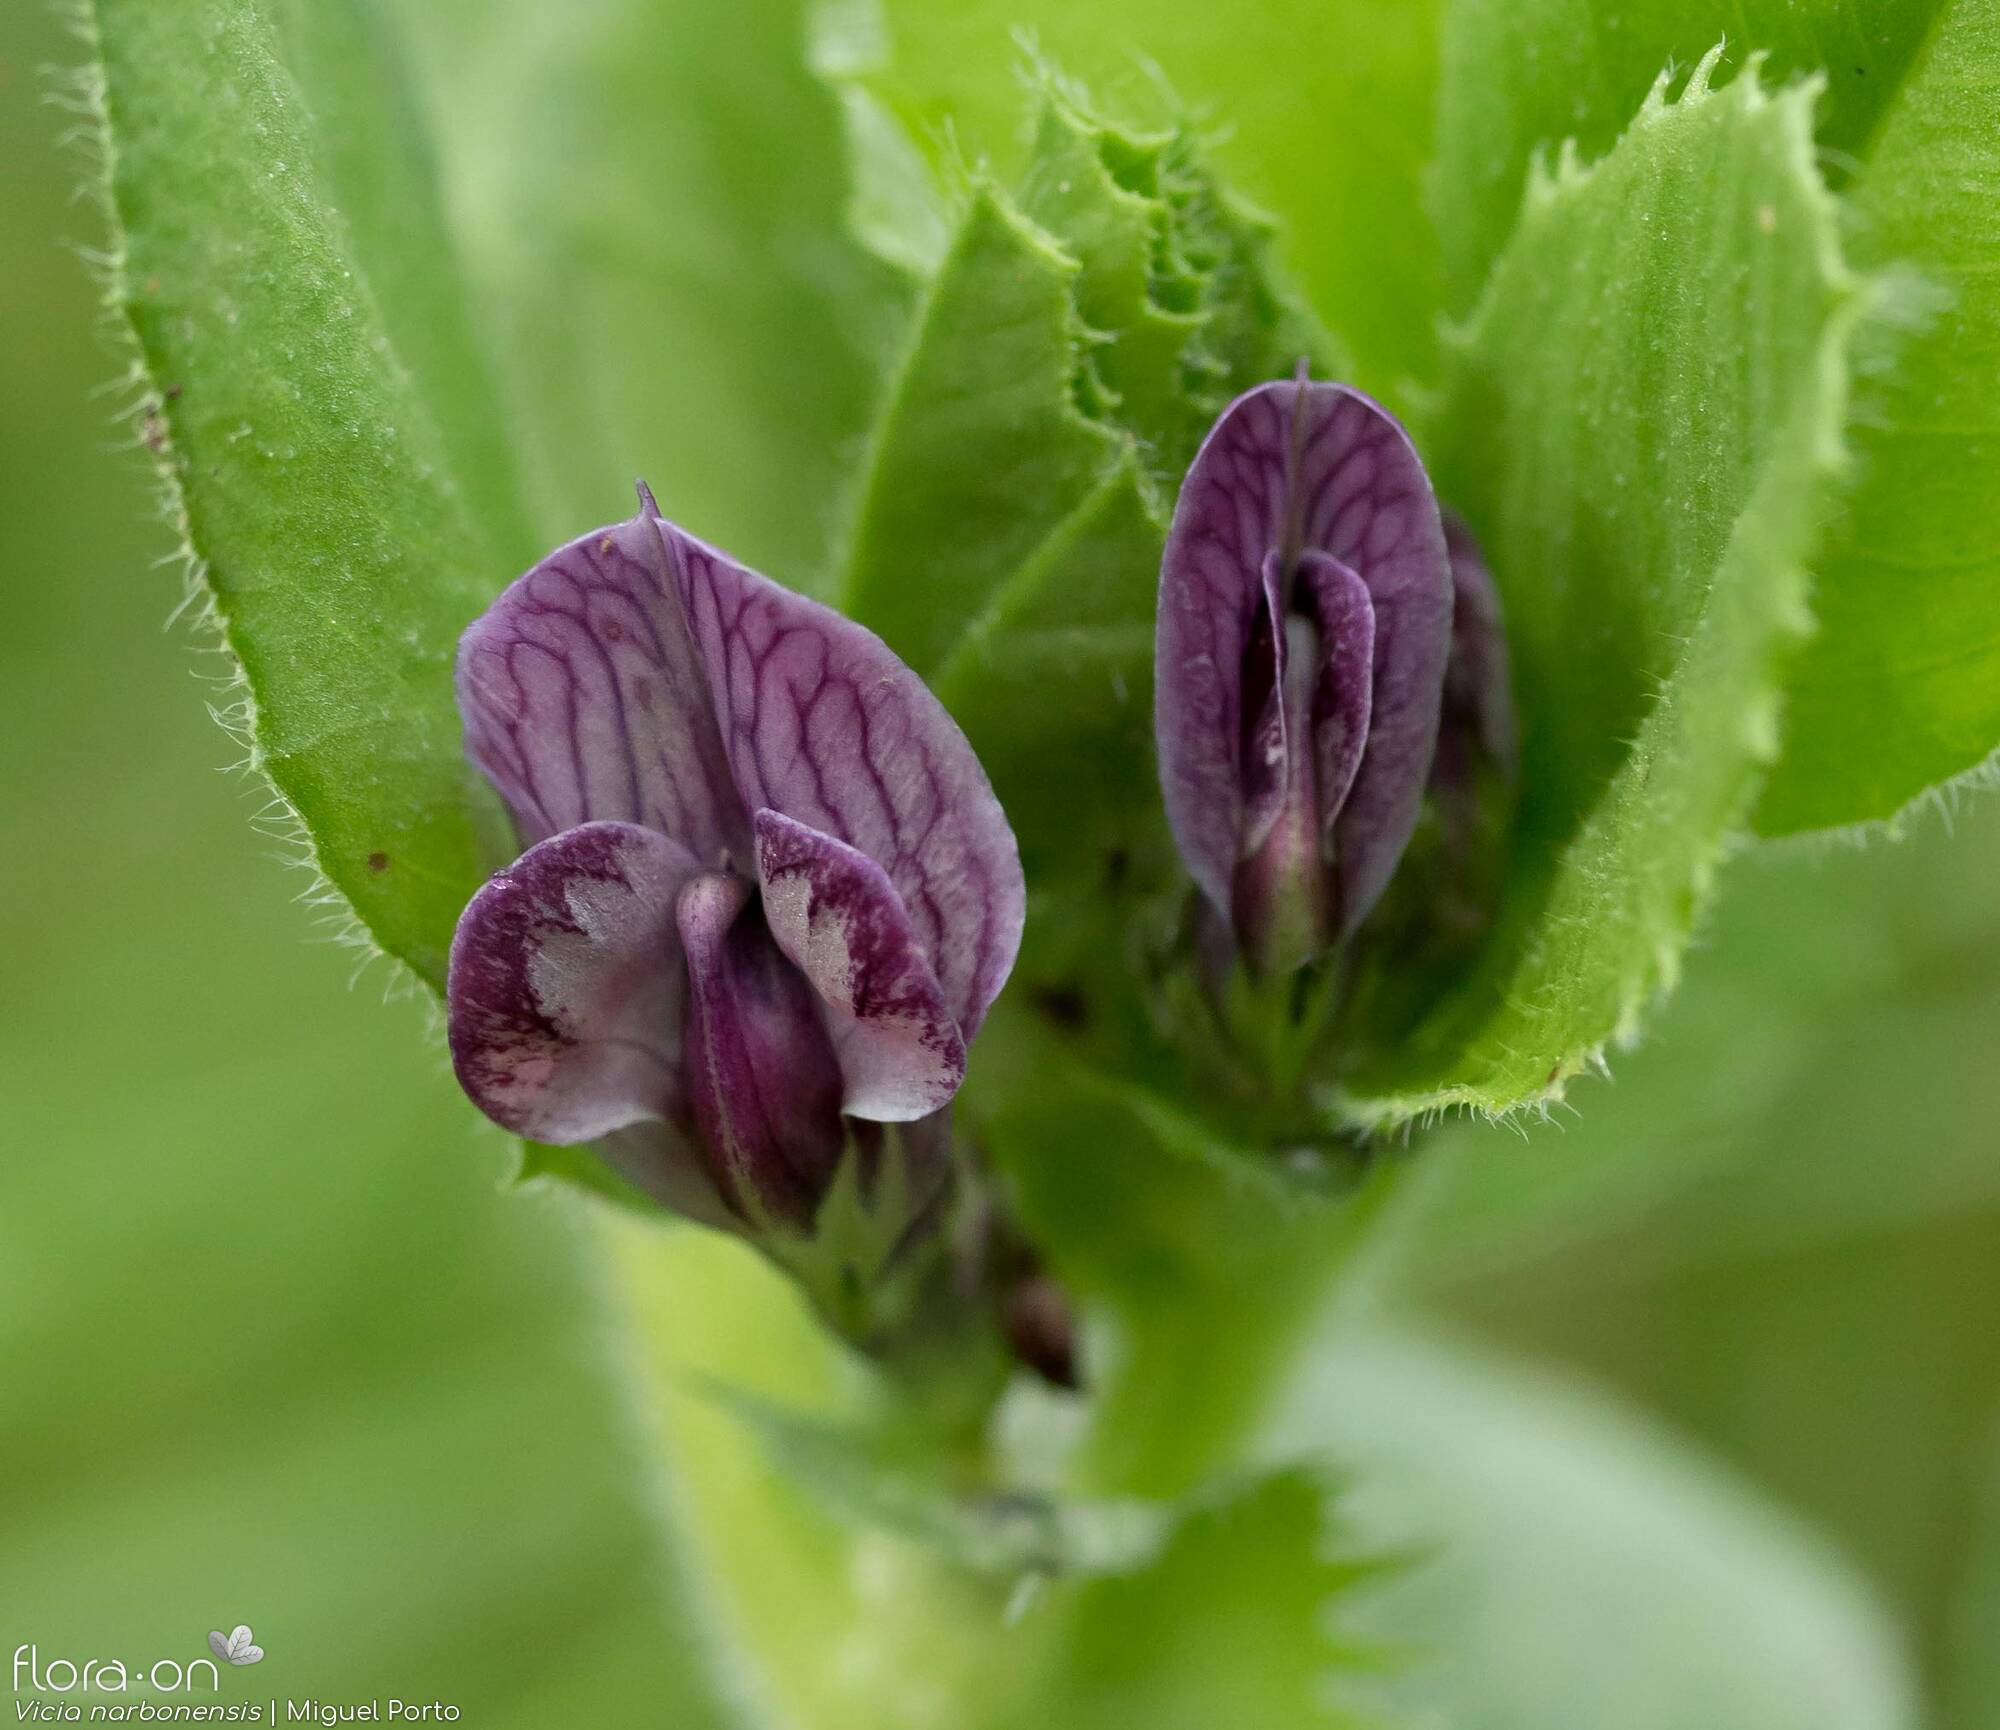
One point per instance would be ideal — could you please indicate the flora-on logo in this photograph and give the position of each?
(237, 1646)
(34, 1674)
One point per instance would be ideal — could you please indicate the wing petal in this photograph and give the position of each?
(834, 911)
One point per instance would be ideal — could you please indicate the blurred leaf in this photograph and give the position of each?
(1567, 1565)
(1850, 1366)
(1780, 1228)
(813, 1621)
(896, 207)
(1322, 114)
(315, 484)
(1901, 686)
(858, 1626)
(1827, 1031)
(560, 1168)
(888, 1476)
(1638, 423)
(651, 196)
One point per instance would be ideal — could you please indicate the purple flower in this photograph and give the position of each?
(768, 893)
(1304, 622)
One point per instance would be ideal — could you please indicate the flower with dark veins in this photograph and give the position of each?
(1304, 623)
(768, 894)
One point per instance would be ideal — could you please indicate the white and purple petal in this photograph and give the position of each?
(566, 991)
(835, 913)
(824, 725)
(584, 699)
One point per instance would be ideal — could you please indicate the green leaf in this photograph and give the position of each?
(1005, 533)
(1570, 1565)
(274, 1348)
(313, 481)
(653, 201)
(1640, 423)
(1073, 348)
(1052, 679)
(1323, 113)
(1901, 687)
(1877, 710)
(985, 443)
(1097, 190)
(344, 470)
(1174, 284)
(1273, 1592)
(380, 174)
(1517, 77)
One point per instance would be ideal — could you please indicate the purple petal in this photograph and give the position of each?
(834, 911)
(1295, 469)
(583, 698)
(824, 725)
(763, 1084)
(566, 992)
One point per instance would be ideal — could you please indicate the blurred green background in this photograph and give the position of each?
(273, 1348)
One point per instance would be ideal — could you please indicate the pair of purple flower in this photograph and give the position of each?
(769, 894)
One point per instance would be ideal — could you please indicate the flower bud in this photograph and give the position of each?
(1304, 624)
